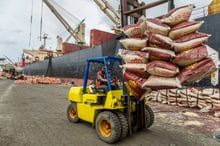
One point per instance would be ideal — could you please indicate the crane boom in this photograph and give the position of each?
(78, 36)
(9, 59)
(116, 18)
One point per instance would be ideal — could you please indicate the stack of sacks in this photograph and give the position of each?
(195, 60)
(19, 81)
(207, 99)
(188, 97)
(8, 75)
(39, 80)
(165, 53)
(216, 104)
(2, 73)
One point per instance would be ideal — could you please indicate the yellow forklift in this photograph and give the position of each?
(113, 112)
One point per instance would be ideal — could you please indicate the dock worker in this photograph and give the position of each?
(101, 79)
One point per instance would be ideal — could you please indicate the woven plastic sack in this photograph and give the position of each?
(134, 44)
(189, 41)
(156, 82)
(134, 84)
(178, 15)
(133, 57)
(137, 69)
(136, 30)
(157, 27)
(159, 41)
(193, 55)
(184, 28)
(158, 53)
(197, 71)
(136, 92)
(158, 68)
(162, 68)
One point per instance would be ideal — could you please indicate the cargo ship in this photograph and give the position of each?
(72, 65)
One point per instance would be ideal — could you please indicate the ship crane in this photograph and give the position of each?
(111, 13)
(78, 34)
(107, 9)
(131, 11)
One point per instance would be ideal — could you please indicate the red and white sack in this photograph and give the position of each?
(134, 84)
(162, 68)
(159, 41)
(189, 41)
(217, 114)
(211, 92)
(136, 30)
(136, 92)
(158, 68)
(156, 82)
(193, 55)
(156, 26)
(137, 69)
(133, 57)
(137, 81)
(134, 44)
(178, 15)
(197, 71)
(158, 53)
(184, 28)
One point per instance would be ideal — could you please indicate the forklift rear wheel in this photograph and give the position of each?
(72, 114)
(124, 124)
(108, 127)
(149, 116)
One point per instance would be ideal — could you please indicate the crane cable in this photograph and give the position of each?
(67, 15)
(41, 21)
(32, 7)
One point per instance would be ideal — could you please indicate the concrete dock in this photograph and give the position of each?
(35, 114)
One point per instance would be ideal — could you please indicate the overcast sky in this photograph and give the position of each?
(15, 22)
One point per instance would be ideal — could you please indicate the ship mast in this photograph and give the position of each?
(44, 37)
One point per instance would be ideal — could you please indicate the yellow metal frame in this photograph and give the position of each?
(87, 107)
(75, 94)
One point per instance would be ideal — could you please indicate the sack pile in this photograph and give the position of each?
(166, 53)
(39, 80)
(2, 74)
(204, 99)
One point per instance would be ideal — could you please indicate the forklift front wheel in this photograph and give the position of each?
(124, 124)
(108, 127)
(72, 114)
(149, 116)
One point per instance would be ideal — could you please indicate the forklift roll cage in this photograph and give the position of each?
(104, 60)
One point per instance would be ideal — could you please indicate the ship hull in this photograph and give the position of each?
(72, 65)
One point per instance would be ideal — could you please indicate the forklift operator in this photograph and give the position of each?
(101, 79)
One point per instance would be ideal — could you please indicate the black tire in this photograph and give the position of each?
(72, 113)
(124, 124)
(149, 116)
(108, 127)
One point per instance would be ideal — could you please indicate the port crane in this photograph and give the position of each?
(130, 11)
(78, 33)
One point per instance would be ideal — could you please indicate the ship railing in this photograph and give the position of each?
(204, 11)
(200, 12)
